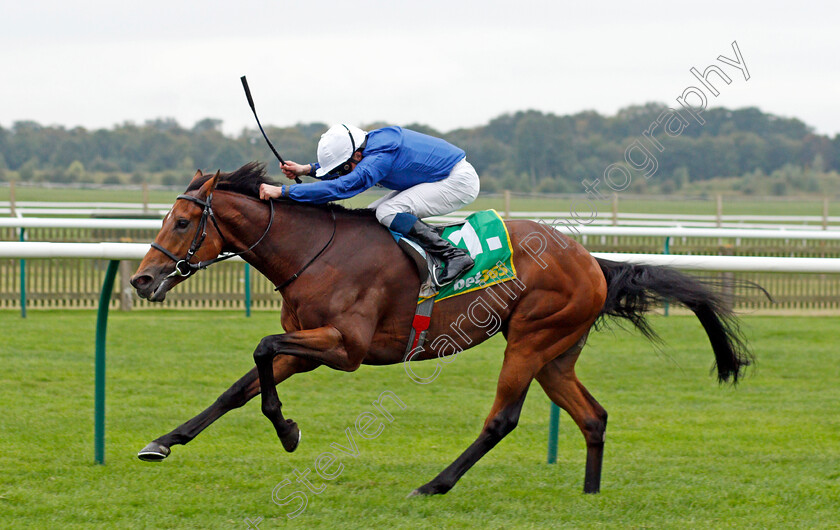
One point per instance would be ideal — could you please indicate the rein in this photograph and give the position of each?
(298, 273)
(183, 267)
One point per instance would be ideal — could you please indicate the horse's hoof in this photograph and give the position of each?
(426, 490)
(292, 439)
(154, 452)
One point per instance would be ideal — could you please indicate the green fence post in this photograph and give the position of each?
(667, 251)
(553, 433)
(22, 280)
(247, 290)
(99, 391)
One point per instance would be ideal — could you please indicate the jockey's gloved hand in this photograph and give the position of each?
(267, 191)
(293, 170)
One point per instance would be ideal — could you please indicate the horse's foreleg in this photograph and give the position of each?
(234, 397)
(503, 417)
(322, 345)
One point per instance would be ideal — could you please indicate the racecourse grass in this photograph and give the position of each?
(682, 452)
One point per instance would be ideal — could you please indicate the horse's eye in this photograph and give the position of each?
(182, 223)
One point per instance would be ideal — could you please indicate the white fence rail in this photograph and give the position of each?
(119, 251)
(793, 222)
(42, 222)
(729, 263)
(114, 209)
(790, 222)
(584, 230)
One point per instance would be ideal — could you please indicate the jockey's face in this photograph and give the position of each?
(350, 165)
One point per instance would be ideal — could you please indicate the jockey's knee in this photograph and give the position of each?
(468, 182)
(395, 219)
(385, 218)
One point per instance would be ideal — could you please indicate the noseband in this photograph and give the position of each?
(183, 267)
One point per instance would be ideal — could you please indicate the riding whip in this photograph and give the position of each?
(254, 110)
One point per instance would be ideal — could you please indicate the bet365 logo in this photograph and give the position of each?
(469, 281)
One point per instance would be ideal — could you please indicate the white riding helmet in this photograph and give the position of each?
(337, 145)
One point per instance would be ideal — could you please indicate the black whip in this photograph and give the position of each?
(254, 110)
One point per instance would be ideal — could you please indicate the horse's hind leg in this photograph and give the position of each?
(510, 395)
(559, 381)
(234, 397)
(524, 357)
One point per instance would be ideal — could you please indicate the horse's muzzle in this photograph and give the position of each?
(150, 288)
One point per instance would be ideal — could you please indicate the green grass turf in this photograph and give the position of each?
(662, 205)
(681, 451)
(88, 195)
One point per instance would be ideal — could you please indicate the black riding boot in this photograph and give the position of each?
(456, 261)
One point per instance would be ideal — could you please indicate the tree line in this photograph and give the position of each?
(745, 150)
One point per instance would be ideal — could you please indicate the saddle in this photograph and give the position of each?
(424, 262)
(484, 235)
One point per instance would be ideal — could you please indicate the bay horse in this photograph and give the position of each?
(349, 296)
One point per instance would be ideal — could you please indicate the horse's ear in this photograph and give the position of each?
(214, 181)
(198, 175)
(210, 185)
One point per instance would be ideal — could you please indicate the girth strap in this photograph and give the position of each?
(420, 325)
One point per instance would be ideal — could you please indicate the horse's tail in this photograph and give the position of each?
(633, 289)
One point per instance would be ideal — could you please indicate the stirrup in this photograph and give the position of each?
(437, 275)
(436, 271)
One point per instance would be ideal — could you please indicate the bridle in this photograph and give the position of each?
(183, 267)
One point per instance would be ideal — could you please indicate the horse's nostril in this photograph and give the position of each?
(141, 280)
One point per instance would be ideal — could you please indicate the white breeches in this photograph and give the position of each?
(457, 190)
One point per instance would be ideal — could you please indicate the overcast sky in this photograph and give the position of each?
(447, 64)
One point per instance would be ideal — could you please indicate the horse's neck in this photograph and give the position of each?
(293, 233)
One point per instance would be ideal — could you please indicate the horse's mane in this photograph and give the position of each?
(247, 179)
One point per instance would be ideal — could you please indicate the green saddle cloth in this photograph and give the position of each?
(484, 235)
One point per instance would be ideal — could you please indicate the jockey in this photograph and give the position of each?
(428, 176)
